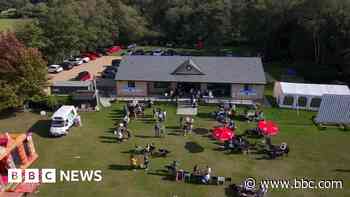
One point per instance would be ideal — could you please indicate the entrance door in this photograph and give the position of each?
(185, 88)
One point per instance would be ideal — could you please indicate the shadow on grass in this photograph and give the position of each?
(107, 138)
(230, 193)
(201, 131)
(342, 170)
(119, 167)
(205, 115)
(172, 127)
(163, 173)
(193, 147)
(41, 128)
(175, 133)
(145, 136)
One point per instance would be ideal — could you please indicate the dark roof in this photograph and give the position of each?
(247, 70)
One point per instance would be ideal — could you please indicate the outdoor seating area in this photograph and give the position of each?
(212, 153)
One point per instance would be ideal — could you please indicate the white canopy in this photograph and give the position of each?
(313, 89)
(305, 96)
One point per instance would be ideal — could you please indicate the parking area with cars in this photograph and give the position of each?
(95, 68)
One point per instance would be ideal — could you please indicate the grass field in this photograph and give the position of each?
(314, 154)
(12, 24)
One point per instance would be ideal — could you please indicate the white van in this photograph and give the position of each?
(62, 120)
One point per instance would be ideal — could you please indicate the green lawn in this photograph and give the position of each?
(12, 24)
(314, 154)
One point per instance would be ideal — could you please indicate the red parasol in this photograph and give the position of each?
(268, 128)
(223, 134)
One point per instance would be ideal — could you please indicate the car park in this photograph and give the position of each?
(84, 76)
(55, 68)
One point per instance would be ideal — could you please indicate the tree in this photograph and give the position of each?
(32, 35)
(22, 72)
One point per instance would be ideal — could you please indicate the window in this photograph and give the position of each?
(131, 84)
(246, 87)
(161, 85)
(302, 101)
(288, 100)
(315, 102)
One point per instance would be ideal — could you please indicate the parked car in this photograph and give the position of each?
(67, 65)
(132, 46)
(76, 61)
(114, 49)
(90, 55)
(55, 68)
(85, 59)
(139, 52)
(157, 52)
(116, 62)
(84, 76)
(96, 54)
(169, 52)
(108, 74)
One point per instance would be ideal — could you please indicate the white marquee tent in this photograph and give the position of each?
(305, 96)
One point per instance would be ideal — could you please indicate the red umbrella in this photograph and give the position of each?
(223, 134)
(268, 128)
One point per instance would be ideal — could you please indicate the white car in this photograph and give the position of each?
(157, 52)
(75, 61)
(85, 59)
(55, 68)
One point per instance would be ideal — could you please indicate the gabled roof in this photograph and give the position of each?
(188, 67)
(248, 70)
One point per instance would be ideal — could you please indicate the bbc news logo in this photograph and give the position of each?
(53, 176)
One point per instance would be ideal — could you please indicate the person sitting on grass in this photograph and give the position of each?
(149, 149)
(133, 162)
(195, 170)
(206, 178)
(207, 175)
(232, 125)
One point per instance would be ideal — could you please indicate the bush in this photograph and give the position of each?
(50, 103)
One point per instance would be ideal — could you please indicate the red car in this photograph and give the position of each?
(96, 54)
(90, 55)
(114, 49)
(84, 76)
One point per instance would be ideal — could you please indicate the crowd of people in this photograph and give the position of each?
(226, 114)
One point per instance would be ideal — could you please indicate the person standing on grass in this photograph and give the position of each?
(146, 161)
(157, 129)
